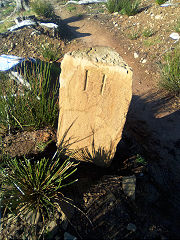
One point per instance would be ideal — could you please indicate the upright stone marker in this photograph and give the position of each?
(95, 93)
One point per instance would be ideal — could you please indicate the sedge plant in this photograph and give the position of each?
(31, 191)
(34, 104)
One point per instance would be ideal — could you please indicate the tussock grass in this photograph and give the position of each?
(170, 72)
(31, 191)
(126, 7)
(43, 8)
(35, 106)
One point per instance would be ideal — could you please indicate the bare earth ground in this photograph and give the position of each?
(152, 123)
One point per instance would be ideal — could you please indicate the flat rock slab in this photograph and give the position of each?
(95, 93)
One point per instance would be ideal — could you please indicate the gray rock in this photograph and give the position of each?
(68, 236)
(129, 186)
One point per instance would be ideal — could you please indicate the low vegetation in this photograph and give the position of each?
(5, 25)
(170, 72)
(148, 32)
(134, 35)
(50, 53)
(7, 10)
(126, 7)
(33, 104)
(159, 2)
(31, 192)
(43, 8)
(177, 27)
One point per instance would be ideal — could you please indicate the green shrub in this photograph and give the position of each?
(43, 8)
(160, 1)
(31, 191)
(35, 107)
(127, 7)
(170, 72)
(71, 8)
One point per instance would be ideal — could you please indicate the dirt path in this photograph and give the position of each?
(152, 119)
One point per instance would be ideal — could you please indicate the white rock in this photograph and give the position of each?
(115, 13)
(136, 55)
(157, 17)
(21, 25)
(144, 60)
(49, 25)
(174, 36)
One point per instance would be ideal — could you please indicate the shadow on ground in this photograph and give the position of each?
(67, 32)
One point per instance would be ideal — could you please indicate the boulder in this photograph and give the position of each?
(95, 93)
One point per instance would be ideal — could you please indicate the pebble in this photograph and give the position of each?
(115, 13)
(136, 55)
(157, 17)
(131, 227)
(175, 36)
(144, 60)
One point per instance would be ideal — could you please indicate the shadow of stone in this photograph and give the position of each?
(66, 32)
(153, 123)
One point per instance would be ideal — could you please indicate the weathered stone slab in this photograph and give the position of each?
(95, 93)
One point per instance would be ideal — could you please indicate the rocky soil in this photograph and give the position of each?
(152, 126)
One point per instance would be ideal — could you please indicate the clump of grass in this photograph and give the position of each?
(35, 106)
(50, 53)
(5, 25)
(71, 8)
(134, 35)
(126, 7)
(159, 2)
(140, 159)
(148, 33)
(170, 72)
(177, 27)
(6, 10)
(151, 41)
(31, 191)
(43, 8)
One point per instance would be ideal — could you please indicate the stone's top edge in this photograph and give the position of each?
(103, 55)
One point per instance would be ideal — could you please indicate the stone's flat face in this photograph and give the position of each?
(95, 93)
